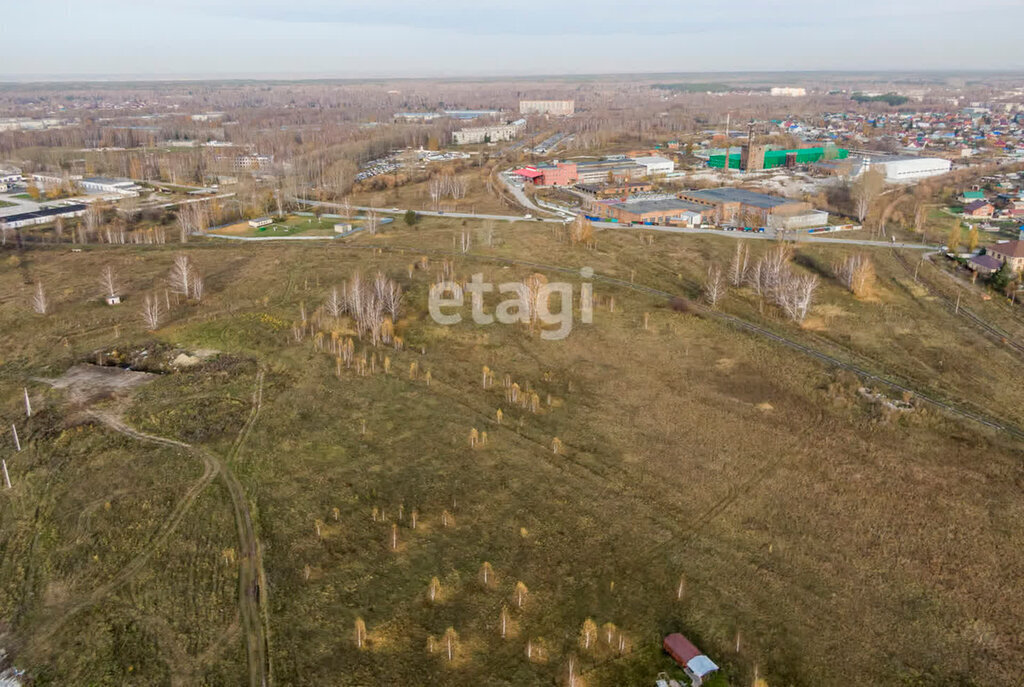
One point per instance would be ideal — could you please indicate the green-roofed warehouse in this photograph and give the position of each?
(778, 158)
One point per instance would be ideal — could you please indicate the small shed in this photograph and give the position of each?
(342, 228)
(261, 222)
(693, 661)
(113, 300)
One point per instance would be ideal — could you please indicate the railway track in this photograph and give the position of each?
(743, 325)
(960, 310)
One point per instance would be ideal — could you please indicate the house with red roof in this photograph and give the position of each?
(979, 208)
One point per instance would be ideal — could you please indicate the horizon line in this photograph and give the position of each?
(50, 78)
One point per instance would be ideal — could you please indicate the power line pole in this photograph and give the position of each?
(17, 443)
(7, 478)
(28, 404)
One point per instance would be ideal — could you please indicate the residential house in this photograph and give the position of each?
(1011, 252)
(979, 208)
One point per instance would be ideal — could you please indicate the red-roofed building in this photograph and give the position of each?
(693, 661)
(558, 174)
(979, 208)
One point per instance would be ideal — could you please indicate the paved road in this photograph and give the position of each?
(799, 238)
(19, 206)
(428, 213)
(521, 197)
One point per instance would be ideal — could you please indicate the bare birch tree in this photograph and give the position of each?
(588, 633)
(796, 295)
(520, 594)
(738, 266)
(181, 276)
(865, 190)
(152, 312)
(334, 305)
(434, 590)
(856, 273)
(109, 282)
(714, 286)
(360, 632)
(198, 286)
(451, 640)
(40, 304)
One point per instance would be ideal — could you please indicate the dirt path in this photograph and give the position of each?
(252, 597)
(252, 588)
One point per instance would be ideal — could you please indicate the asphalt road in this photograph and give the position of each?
(799, 238)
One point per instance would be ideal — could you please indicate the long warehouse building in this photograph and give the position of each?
(773, 159)
(42, 216)
(739, 207)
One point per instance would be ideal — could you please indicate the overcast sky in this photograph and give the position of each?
(345, 38)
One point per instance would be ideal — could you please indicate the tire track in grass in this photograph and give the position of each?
(252, 595)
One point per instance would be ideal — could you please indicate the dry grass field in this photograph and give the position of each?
(706, 480)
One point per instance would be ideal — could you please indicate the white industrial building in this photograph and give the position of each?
(655, 165)
(902, 169)
(43, 215)
(551, 107)
(95, 185)
(789, 91)
(10, 176)
(489, 134)
(122, 187)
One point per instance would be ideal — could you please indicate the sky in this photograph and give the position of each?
(111, 39)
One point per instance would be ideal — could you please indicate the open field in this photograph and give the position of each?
(708, 480)
(417, 196)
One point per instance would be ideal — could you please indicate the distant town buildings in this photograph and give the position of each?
(489, 134)
(250, 162)
(788, 91)
(471, 114)
(454, 114)
(559, 108)
(29, 124)
(417, 116)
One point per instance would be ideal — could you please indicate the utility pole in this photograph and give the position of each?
(7, 478)
(28, 404)
(957, 310)
(17, 443)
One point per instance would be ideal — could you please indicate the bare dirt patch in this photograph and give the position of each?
(86, 383)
